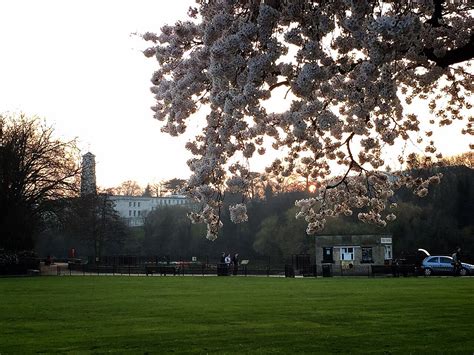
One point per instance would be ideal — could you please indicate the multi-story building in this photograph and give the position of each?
(134, 209)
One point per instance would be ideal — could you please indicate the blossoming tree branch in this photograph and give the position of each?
(349, 69)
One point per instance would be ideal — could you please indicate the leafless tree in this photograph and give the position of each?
(129, 188)
(35, 170)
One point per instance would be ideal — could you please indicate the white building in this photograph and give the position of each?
(134, 209)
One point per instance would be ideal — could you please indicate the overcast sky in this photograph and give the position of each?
(77, 64)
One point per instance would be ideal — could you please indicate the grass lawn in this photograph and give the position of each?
(98, 314)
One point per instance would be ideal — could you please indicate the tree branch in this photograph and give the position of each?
(281, 83)
(437, 14)
(453, 56)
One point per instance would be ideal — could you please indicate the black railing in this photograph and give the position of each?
(204, 266)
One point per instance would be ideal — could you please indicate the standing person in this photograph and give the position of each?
(227, 263)
(396, 267)
(235, 263)
(221, 265)
(457, 261)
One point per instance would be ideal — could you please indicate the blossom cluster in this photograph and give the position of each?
(238, 213)
(210, 218)
(351, 71)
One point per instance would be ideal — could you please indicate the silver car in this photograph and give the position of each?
(444, 265)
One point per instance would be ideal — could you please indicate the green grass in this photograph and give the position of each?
(236, 315)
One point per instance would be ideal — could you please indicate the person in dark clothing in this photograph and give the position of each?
(457, 262)
(228, 261)
(396, 267)
(235, 263)
(221, 267)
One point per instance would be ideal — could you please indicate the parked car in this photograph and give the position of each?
(444, 265)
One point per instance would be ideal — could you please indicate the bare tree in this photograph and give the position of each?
(156, 189)
(129, 188)
(466, 159)
(35, 169)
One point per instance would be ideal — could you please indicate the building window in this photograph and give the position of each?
(129, 204)
(327, 255)
(139, 212)
(367, 255)
(387, 252)
(134, 204)
(130, 213)
(134, 213)
(138, 204)
(347, 253)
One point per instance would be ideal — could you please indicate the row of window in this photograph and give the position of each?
(347, 254)
(138, 213)
(162, 202)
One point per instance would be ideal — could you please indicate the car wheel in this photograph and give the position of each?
(428, 272)
(463, 272)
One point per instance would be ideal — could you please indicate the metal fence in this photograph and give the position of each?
(218, 269)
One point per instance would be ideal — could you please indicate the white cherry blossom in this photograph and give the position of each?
(351, 71)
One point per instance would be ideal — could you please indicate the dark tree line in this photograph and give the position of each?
(89, 224)
(438, 222)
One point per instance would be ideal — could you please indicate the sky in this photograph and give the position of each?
(78, 65)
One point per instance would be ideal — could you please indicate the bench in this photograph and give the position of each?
(160, 269)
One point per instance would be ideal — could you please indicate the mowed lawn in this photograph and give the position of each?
(98, 314)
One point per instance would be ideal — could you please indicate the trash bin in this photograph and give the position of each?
(289, 271)
(327, 270)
